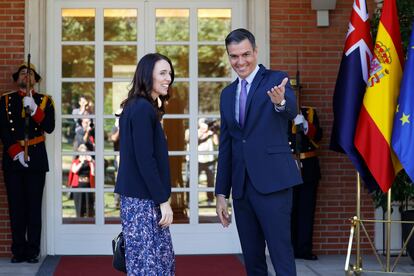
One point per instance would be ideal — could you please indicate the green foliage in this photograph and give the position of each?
(402, 192)
(172, 29)
(209, 96)
(78, 28)
(179, 55)
(215, 29)
(212, 61)
(406, 17)
(120, 28)
(119, 55)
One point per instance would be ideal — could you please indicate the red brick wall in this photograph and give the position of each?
(293, 28)
(11, 55)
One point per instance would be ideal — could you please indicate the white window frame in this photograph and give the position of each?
(40, 15)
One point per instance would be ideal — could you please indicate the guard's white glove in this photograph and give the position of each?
(299, 119)
(20, 157)
(29, 101)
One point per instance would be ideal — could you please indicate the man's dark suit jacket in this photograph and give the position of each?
(261, 147)
(144, 170)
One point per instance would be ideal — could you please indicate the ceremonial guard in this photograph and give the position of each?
(25, 160)
(304, 136)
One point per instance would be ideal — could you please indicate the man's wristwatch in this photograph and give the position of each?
(282, 103)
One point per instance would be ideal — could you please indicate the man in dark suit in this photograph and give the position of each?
(25, 178)
(255, 160)
(304, 143)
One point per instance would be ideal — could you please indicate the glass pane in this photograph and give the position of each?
(78, 61)
(66, 165)
(85, 134)
(180, 204)
(180, 171)
(114, 94)
(78, 207)
(111, 170)
(111, 201)
(172, 25)
(179, 99)
(207, 164)
(120, 61)
(120, 24)
(213, 24)
(111, 134)
(209, 97)
(208, 132)
(68, 134)
(179, 58)
(212, 62)
(78, 171)
(207, 208)
(78, 98)
(78, 24)
(76, 132)
(175, 132)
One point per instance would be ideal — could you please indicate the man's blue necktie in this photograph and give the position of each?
(242, 102)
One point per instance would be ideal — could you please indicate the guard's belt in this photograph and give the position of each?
(309, 154)
(33, 141)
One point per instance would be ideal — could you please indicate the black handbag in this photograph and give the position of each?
(118, 248)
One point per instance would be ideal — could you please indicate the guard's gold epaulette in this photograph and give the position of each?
(310, 111)
(8, 93)
(48, 97)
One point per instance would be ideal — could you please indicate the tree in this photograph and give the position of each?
(405, 15)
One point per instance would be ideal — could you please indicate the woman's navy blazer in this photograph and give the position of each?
(144, 167)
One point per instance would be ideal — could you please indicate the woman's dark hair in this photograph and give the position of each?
(238, 35)
(142, 83)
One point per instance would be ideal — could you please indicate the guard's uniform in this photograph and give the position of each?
(25, 185)
(304, 195)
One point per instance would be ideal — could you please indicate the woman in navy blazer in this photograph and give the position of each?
(143, 181)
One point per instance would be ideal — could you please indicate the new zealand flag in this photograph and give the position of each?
(350, 88)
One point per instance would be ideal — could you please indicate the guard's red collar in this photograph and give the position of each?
(22, 93)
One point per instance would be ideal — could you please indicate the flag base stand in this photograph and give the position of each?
(355, 236)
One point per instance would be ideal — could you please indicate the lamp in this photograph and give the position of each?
(322, 8)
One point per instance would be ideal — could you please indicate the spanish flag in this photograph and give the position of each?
(375, 122)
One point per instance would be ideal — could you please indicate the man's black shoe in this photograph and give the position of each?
(17, 259)
(309, 257)
(33, 260)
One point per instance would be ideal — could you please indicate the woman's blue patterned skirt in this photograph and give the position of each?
(148, 247)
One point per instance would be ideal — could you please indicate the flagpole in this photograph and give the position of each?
(358, 212)
(388, 229)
